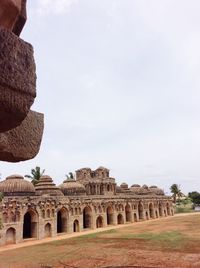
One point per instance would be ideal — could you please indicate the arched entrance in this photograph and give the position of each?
(160, 210)
(30, 225)
(147, 215)
(62, 216)
(151, 211)
(128, 213)
(135, 217)
(87, 217)
(168, 209)
(109, 213)
(47, 230)
(11, 236)
(120, 219)
(76, 226)
(99, 222)
(140, 211)
(156, 214)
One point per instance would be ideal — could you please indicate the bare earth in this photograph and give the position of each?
(169, 242)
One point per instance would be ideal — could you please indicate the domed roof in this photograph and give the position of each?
(16, 185)
(124, 186)
(135, 185)
(45, 186)
(136, 188)
(72, 187)
(118, 189)
(155, 190)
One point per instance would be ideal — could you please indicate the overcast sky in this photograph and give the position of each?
(118, 82)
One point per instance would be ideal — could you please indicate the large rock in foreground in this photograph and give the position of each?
(23, 142)
(9, 13)
(17, 80)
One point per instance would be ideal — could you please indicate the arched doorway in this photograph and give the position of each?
(160, 210)
(135, 217)
(47, 230)
(151, 211)
(128, 213)
(30, 225)
(147, 215)
(87, 217)
(99, 222)
(76, 226)
(156, 214)
(11, 236)
(120, 219)
(109, 213)
(168, 210)
(62, 216)
(140, 211)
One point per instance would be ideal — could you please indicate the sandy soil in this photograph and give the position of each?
(167, 242)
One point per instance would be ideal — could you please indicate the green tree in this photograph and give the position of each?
(36, 173)
(195, 197)
(176, 191)
(70, 176)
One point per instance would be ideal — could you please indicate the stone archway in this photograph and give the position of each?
(120, 219)
(160, 210)
(140, 211)
(87, 217)
(168, 209)
(110, 215)
(128, 213)
(47, 230)
(30, 225)
(76, 226)
(156, 214)
(99, 222)
(147, 215)
(62, 217)
(11, 236)
(135, 217)
(151, 211)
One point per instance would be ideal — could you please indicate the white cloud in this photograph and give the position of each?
(45, 7)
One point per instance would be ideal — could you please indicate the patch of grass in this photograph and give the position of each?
(171, 239)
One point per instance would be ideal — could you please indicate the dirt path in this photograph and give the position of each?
(67, 235)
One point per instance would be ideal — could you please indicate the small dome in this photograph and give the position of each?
(155, 190)
(145, 187)
(72, 187)
(136, 188)
(118, 189)
(124, 186)
(153, 187)
(16, 185)
(45, 186)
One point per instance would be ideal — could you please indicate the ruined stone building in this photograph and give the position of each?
(91, 201)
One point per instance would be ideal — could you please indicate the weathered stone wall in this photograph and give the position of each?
(52, 216)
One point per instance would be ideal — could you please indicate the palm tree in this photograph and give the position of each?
(35, 175)
(70, 176)
(176, 191)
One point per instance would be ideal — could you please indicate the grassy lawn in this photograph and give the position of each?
(170, 242)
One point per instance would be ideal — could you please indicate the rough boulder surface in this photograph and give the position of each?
(9, 13)
(23, 142)
(17, 79)
(20, 129)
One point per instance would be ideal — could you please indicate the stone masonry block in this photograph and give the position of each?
(17, 80)
(23, 142)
